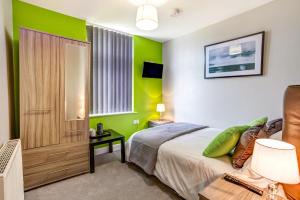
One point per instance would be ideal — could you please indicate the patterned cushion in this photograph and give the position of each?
(245, 147)
(273, 127)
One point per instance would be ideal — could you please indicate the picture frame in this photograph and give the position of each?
(242, 56)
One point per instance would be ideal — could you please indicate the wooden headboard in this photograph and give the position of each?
(291, 130)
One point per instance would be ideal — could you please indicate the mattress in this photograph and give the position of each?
(181, 166)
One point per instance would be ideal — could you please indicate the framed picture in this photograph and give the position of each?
(234, 58)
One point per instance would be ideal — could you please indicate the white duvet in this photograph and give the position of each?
(181, 166)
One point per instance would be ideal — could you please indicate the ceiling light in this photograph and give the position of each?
(146, 18)
(152, 2)
(137, 2)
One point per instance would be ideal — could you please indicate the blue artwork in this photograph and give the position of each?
(239, 57)
(226, 60)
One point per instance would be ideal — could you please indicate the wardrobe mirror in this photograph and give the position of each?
(76, 58)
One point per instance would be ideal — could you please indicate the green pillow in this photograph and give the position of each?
(258, 122)
(225, 141)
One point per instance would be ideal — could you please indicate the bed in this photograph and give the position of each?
(181, 166)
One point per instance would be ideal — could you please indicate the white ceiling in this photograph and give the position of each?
(120, 14)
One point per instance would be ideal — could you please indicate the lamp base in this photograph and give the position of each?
(272, 191)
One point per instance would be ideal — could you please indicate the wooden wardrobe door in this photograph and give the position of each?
(39, 89)
(74, 129)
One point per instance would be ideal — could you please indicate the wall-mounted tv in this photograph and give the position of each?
(152, 70)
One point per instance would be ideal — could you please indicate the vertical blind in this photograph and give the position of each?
(111, 74)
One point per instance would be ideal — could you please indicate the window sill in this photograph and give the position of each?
(112, 114)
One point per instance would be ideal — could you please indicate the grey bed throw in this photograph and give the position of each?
(145, 144)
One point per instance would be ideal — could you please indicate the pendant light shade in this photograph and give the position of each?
(146, 18)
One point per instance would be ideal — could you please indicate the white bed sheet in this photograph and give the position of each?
(181, 166)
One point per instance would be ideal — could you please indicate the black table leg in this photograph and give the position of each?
(92, 159)
(123, 150)
(110, 147)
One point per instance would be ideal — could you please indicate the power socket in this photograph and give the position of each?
(136, 121)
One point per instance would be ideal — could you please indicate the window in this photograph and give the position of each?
(111, 71)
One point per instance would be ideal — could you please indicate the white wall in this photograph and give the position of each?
(230, 101)
(5, 63)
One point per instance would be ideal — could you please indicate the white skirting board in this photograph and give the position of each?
(103, 150)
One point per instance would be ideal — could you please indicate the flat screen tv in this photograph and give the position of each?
(152, 70)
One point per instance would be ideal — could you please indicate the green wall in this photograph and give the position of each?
(147, 92)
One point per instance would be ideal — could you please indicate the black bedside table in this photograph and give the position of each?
(106, 140)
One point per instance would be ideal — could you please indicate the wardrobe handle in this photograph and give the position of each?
(38, 112)
(74, 133)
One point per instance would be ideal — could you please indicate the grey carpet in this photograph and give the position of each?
(112, 180)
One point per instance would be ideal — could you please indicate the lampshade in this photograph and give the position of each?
(275, 160)
(146, 18)
(160, 107)
(153, 2)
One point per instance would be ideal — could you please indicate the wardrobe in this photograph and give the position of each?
(54, 107)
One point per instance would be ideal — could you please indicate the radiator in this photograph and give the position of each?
(11, 171)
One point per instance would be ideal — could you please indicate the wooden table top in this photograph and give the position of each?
(221, 189)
